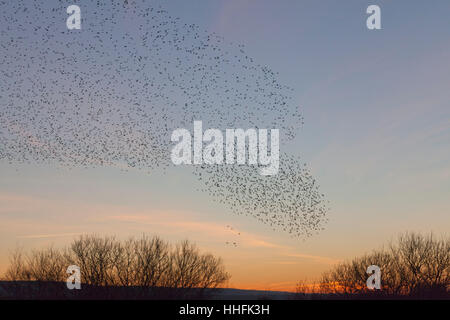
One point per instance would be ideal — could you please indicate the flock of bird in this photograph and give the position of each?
(290, 200)
(111, 94)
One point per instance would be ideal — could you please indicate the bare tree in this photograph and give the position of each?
(16, 270)
(189, 269)
(125, 267)
(105, 262)
(212, 272)
(96, 258)
(46, 265)
(152, 261)
(414, 265)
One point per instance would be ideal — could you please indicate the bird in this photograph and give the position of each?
(111, 93)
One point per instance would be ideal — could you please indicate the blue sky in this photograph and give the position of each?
(376, 136)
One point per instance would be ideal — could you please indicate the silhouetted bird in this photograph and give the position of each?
(111, 94)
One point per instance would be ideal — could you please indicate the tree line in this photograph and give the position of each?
(415, 266)
(145, 262)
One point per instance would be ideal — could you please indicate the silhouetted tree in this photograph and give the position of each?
(149, 264)
(416, 266)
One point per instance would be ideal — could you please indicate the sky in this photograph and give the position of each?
(376, 135)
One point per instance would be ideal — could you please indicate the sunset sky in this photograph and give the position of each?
(376, 105)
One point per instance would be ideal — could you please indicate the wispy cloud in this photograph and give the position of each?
(50, 235)
(219, 232)
(214, 230)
